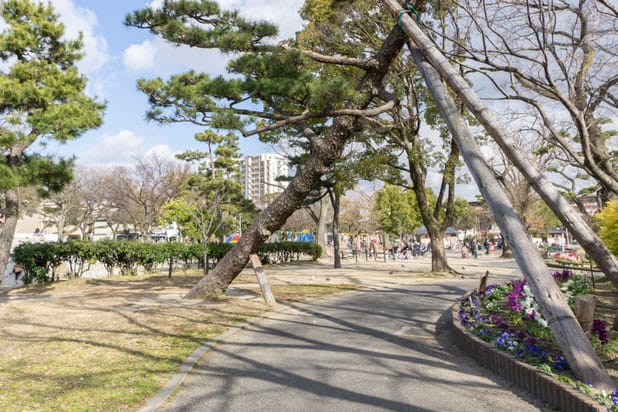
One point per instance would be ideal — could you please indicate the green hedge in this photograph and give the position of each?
(41, 260)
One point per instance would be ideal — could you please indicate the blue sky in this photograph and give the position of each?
(116, 56)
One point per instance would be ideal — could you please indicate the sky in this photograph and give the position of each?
(116, 56)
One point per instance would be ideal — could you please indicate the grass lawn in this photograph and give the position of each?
(109, 344)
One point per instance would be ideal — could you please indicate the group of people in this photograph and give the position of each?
(406, 251)
(473, 247)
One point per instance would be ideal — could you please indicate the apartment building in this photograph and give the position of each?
(260, 175)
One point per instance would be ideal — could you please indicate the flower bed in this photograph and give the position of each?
(506, 317)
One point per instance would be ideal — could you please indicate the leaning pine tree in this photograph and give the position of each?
(42, 99)
(275, 92)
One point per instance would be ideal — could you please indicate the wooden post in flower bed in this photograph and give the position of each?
(584, 311)
(566, 330)
(483, 283)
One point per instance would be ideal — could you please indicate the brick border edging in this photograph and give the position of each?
(542, 386)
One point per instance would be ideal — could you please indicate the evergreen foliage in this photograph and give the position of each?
(43, 98)
(42, 94)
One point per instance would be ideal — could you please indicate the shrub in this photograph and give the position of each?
(40, 260)
(608, 222)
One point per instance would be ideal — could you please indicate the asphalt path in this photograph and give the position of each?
(382, 349)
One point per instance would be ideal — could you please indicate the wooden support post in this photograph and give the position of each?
(483, 283)
(584, 311)
(261, 277)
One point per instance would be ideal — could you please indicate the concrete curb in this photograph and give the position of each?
(174, 383)
(155, 402)
(558, 395)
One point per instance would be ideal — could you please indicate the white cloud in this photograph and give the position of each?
(283, 13)
(76, 20)
(156, 4)
(161, 151)
(140, 57)
(162, 58)
(168, 58)
(121, 148)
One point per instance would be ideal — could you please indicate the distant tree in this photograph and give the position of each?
(300, 220)
(76, 206)
(541, 218)
(42, 99)
(140, 191)
(396, 211)
(555, 63)
(214, 194)
(463, 215)
(351, 219)
(608, 221)
(520, 190)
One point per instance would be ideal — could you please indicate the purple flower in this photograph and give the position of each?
(516, 295)
(533, 350)
(562, 276)
(498, 321)
(559, 363)
(598, 327)
(531, 315)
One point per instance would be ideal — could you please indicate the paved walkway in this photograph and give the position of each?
(386, 348)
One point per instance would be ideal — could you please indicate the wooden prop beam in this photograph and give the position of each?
(262, 280)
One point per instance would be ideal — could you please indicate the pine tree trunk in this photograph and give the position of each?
(7, 229)
(324, 153)
(566, 330)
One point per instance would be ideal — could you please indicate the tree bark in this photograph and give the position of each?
(566, 330)
(335, 200)
(572, 220)
(7, 229)
(506, 250)
(321, 224)
(324, 153)
(439, 262)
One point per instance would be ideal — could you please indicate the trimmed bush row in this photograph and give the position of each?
(40, 261)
